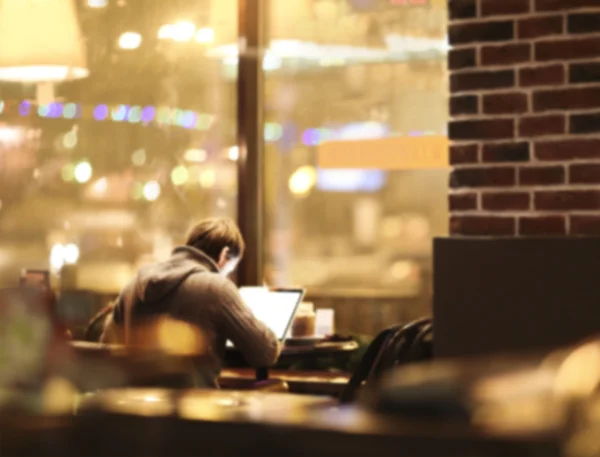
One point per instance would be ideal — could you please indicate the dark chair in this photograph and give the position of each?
(422, 346)
(400, 347)
(389, 348)
(95, 327)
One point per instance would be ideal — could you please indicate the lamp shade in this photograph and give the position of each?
(40, 41)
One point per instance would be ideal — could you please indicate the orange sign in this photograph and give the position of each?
(393, 153)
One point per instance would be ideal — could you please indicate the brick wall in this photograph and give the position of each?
(525, 107)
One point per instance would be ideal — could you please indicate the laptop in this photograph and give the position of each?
(276, 308)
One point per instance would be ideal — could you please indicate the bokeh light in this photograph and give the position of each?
(182, 31)
(195, 155)
(303, 180)
(148, 114)
(100, 112)
(83, 172)
(119, 113)
(151, 191)
(205, 35)
(70, 111)
(130, 40)
(67, 172)
(138, 158)
(24, 108)
(179, 175)
(135, 114)
(233, 153)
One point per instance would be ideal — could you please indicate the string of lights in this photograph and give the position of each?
(133, 114)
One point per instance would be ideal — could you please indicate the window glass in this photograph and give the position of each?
(106, 168)
(366, 74)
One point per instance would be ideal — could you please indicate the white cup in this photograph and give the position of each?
(324, 322)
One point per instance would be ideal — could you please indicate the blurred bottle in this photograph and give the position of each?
(304, 322)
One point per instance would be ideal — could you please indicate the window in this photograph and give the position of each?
(348, 70)
(107, 171)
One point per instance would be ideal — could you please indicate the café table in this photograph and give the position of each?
(290, 352)
(160, 422)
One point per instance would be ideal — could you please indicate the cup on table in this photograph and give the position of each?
(304, 321)
(325, 322)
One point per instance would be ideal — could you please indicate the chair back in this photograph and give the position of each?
(399, 347)
(388, 348)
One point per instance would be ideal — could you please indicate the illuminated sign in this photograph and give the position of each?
(392, 153)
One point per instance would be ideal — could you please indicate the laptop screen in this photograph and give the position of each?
(274, 307)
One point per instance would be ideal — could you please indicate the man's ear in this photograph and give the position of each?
(224, 256)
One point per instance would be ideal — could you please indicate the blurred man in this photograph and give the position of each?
(192, 287)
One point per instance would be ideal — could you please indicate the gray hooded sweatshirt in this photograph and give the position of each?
(188, 287)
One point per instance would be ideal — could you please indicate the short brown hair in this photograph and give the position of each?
(211, 236)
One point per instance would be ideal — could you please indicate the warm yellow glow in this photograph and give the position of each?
(130, 40)
(41, 43)
(97, 3)
(70, 140)
(35, 73)
(165, 32)
(303, 180)
(183, 31)
(195, 155)
(151, 191)
(233, 153)
(71, 253)
(68, 172)
(401, 270)
(579, 373)
(82, 172)
(208, 178)
(205, 35)
(180, 175)
(138, 158)
(100, 187)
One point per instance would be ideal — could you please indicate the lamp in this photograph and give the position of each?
(40, 42)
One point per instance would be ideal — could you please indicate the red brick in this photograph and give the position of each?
(541, 176)
(506, 152)
(481, 129)
(586, 72)
(584, 173)
(464, 104)
(467, 153)
(497, 8)
(568, 149)
(583, 23)
(585, 225)
(537, 27)
(533, 126)
(505, 103)
(462, 58)
(567, 200)
(549, 75)
(506, 54)
(542, 226)
(482, 225)
(567, 49)
(462, 9)
(478, 32)
(566, 99)
(558, 5)
(462, 202)
(482, 177)
(584, 123)
(505, 201)
(476, 80)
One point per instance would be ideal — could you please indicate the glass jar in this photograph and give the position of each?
(304, 321)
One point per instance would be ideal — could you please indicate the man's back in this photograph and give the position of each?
(188, 288)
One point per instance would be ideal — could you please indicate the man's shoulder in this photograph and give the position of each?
(211, 284)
